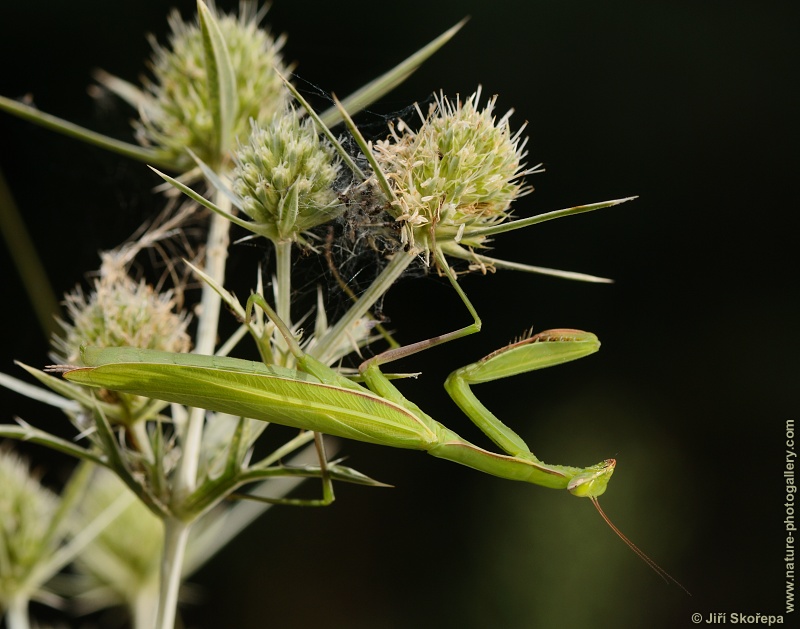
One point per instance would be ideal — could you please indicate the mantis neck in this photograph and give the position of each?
(523, 467)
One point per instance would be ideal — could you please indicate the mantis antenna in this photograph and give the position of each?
(639, 552)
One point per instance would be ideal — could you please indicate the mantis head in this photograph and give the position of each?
(592, 482)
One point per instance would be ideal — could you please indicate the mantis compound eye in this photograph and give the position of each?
(593, 481)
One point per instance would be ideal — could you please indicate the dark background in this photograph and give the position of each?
(690, 105)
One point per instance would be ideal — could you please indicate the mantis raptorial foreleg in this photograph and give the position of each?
(519, 463)
(534, 352)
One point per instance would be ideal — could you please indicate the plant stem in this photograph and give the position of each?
(17, 613)
(283, 255)
(176, 533)
(139, 433)
(207, 331)
(283, 295)
(143, 608)
(27, 261)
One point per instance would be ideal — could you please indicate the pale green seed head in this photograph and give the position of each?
(27, 511)
(461, 170)
(284, 177)
(178, 114)
(120, 312)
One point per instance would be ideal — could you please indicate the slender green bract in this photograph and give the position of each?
(316, 397)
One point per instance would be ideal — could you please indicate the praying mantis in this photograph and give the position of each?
(315, 397)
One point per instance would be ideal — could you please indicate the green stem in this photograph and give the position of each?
(283, 296)
(283, 254)
(176, 534)
(139, 433)
(27, 261)
(207, 330)
(54, 123)
(211, 540)
(215, 490)
(143, 608)
(34, 435)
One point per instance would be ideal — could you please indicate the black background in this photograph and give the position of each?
(690, 105)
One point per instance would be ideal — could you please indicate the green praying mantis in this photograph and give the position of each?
(316, 397)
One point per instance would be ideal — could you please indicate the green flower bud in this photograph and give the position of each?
(28, 510)
(178, 114)
(461, 170)
(284, 177)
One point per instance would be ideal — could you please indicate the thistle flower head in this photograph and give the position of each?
(284, 177)
(460, 171)
(120, 311)
(28, 510)
(178, 112)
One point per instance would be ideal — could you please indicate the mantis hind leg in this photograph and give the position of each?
(378, 383)
(327, 485)
(396, 353)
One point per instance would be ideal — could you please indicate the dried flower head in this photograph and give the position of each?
(25, 527)
(178, 112)
(120, 311)
(284, 177)
(460, 171)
